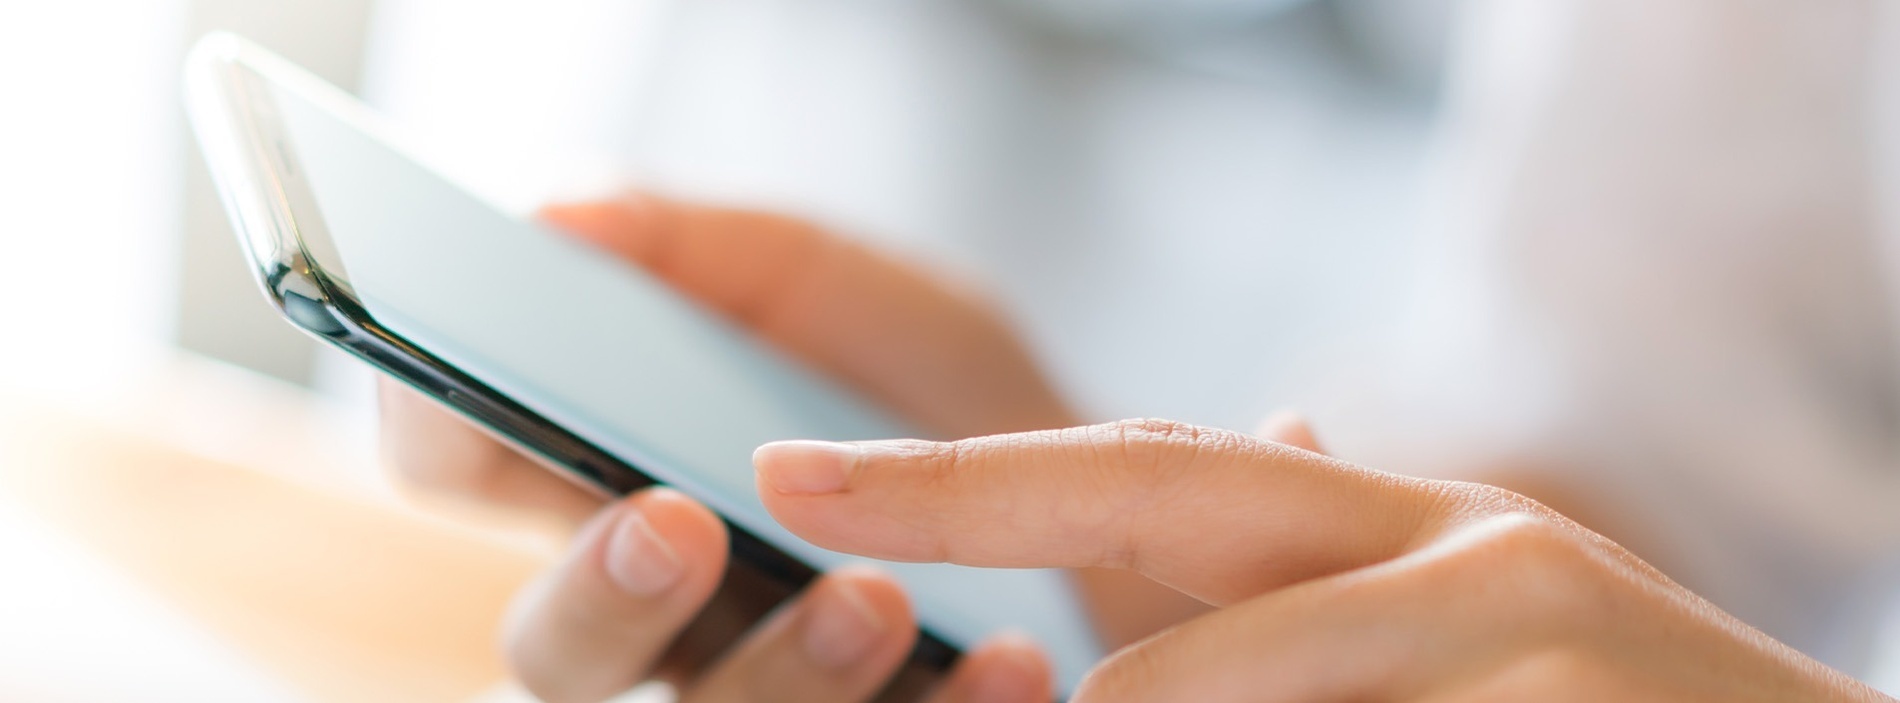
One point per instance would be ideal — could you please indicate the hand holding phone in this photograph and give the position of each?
(854, 312)
(730, 331)
(936, 355)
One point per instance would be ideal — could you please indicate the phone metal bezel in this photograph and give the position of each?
(295, 263)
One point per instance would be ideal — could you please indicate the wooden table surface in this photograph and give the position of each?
(243, 514)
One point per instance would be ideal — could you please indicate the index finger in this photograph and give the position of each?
(1216, 514)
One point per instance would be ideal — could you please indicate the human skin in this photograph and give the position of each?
(593, 627)
(1330, 581)
(1225, 566)
(1605, 104)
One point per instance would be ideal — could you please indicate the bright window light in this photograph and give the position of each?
(89, 178)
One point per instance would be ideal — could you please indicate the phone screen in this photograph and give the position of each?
(619, 359)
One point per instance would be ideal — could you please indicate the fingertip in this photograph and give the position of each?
(1007, 668)
(879, 591)
(622, 226)
(1018, 648)
(671, 500)
(578, 217)
(689, 527)
(595, 623)
(659, 546)
(1291, 429)
(857, 619)
(805, 467)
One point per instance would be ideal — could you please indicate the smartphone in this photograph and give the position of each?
(588, 364)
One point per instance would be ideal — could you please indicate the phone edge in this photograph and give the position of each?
(328, 310)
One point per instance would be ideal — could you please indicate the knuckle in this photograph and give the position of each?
(1151, 445)
(1549, 566)
(1523, 535)
(1131, 469)
(932, 462)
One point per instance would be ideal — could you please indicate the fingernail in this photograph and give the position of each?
(806, 467)
(638, 560)
(1006, 680)
(841, 626)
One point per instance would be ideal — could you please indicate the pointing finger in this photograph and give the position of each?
(1219, 515)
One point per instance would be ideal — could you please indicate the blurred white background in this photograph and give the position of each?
(93, 170)
(933, 127)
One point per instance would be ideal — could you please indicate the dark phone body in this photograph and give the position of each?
(338, 320)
